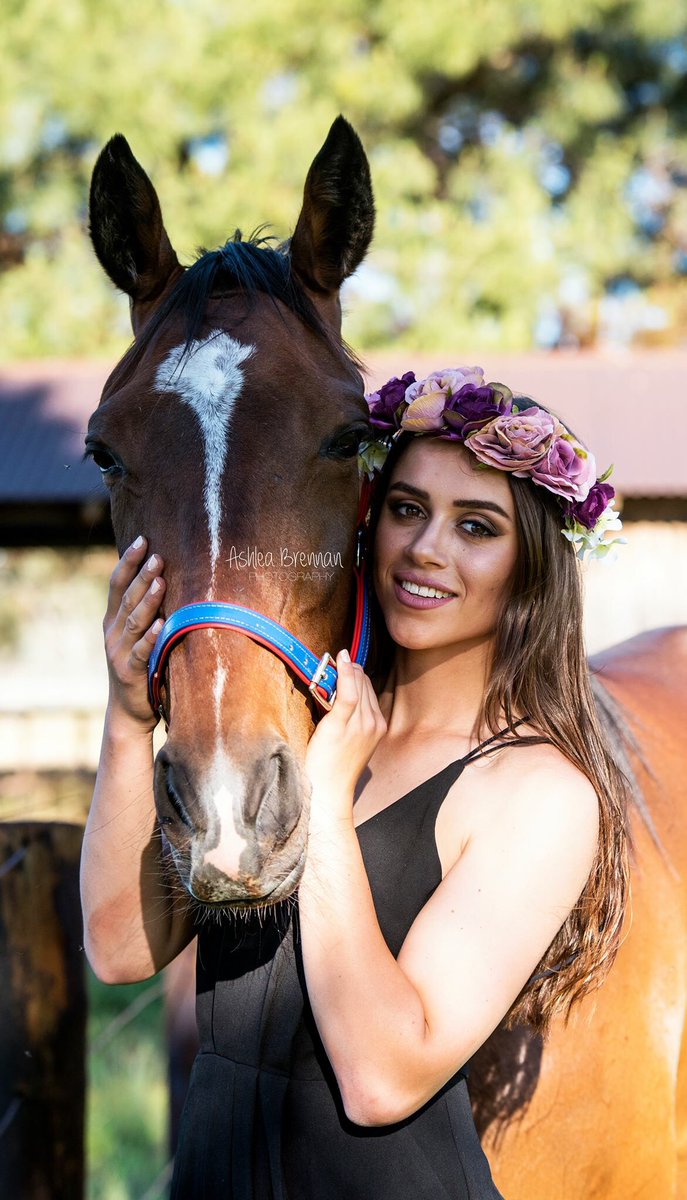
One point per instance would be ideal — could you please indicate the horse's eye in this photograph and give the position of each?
(347, 444)
(106, 463)
(103, 460)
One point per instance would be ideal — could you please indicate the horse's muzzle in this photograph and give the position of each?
(238, 832)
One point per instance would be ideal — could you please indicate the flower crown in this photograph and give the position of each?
(459, 406)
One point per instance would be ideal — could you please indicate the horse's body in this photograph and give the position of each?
(600, 1110)
(247, 444)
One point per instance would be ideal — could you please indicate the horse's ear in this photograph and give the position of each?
(336, 222)
(126, 226)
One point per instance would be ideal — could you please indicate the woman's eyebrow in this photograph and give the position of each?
(489, 505)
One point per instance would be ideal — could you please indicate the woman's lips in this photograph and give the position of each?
(413, 601)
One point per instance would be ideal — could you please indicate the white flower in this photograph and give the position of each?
(592, 542)
(371, 457)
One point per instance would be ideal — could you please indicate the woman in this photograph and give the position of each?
(434, 902)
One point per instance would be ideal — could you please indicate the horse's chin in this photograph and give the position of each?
(213, 889)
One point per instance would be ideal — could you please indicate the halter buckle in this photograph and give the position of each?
(317, 676)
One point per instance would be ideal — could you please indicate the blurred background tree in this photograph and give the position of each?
(529, 157)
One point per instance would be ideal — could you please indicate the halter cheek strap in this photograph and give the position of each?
(318, 673)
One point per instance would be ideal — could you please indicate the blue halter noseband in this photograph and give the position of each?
(318, 673)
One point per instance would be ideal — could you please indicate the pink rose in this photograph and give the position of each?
(515, 441)
(427, 398)
(567, 469)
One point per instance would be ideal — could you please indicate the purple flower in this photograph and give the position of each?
(473, 407)
(385, 403)
(567, 468)
(515, 441)
(587, 512)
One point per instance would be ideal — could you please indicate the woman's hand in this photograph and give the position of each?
(131, 628)
(347, 736)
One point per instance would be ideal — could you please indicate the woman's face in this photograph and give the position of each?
(446, 526)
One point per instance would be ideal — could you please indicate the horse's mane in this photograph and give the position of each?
(252, 267)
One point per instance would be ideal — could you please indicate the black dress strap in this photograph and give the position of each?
(499, 737)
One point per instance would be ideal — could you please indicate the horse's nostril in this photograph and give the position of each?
(271, 801)
(264, 782)
(277, 776)
(174, 796)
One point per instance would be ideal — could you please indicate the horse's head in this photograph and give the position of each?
(228, 435)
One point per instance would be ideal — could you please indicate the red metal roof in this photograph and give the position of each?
(44, 409)
(628, 408)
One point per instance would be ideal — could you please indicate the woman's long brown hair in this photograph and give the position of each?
(539, 669)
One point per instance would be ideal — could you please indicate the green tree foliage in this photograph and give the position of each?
(529, 157)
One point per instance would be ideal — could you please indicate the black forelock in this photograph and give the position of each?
(252, 267)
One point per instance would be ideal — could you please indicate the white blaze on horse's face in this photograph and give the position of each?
(227, 843)
(209, 379)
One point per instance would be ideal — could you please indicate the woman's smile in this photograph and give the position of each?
(425, 594)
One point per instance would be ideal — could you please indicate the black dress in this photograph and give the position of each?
(263, 1118)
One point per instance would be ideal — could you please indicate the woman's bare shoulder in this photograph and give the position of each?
(538, 759)
(522, 786)
(533, 773)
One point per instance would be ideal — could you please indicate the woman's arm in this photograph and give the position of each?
(134, 923)
(397, 1030)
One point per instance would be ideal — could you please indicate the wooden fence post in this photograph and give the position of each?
(42, 1013)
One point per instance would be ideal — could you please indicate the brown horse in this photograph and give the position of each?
(228, 434)
(600, 1110)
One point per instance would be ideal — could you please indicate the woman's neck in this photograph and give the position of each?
(437, 689)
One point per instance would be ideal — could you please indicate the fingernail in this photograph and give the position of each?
(152, 562)
(345, 656)
(155, 586)
(157, 625)
(138, 543)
